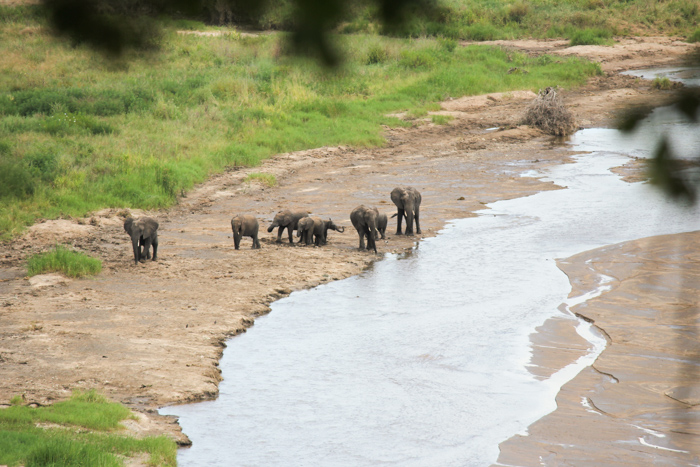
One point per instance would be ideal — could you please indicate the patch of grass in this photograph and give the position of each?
(441, 119)
(81, 431)
(694, 37)
(16, 400)
(662, 83)
(61, 259)
(591, 36)
(265, 178)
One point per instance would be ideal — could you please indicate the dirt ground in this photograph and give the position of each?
(152, 334)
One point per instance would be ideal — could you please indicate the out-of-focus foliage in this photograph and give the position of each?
(666, 169)
(115, 25)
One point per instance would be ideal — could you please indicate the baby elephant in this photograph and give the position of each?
(144, 233)
(364, 220)
(245, 225)
(305, 229)
(316, 229)
(382, 222)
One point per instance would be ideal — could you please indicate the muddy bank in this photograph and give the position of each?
(152, 334)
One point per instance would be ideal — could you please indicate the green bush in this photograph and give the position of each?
(61, 259)
(376, 54)
(416, 58)
(16, 181)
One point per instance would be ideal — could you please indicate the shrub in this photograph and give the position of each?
(61, 259)
(416, 58)
(547, 112)
(16, 180)
(518, 11)
(376, 54)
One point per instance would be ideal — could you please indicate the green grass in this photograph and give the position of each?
(79, 133)
(441, 119)
(694, 36)
(81, 431)
(662, 83)
(265, 178)
(591, 36)
(61, 259)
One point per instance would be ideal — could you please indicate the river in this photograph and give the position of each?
(421, 360)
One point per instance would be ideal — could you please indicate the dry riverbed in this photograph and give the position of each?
(152, 334)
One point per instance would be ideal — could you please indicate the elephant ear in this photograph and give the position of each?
(128, 222)
(148, 227)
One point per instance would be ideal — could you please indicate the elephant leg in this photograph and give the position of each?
(409, 223)
(256, 242)
(362, 240)
(290, 231)
(137, 250)
(147, 248)
(237, 240)
(399, 220)
(371, 244)
(155, 248)
(279, 234)
(417, 220)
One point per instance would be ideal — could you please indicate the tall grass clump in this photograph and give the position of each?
(265, 178)
(61, 259)
(591, 36)
(83, 430)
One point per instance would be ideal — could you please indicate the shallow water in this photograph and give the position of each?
(690, 76)
(421, 360)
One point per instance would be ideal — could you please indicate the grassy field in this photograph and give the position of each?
(81, 431)
(79, 133)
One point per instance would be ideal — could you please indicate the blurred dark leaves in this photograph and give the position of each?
(112, 27)
(666, 169)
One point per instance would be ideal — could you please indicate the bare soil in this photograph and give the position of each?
(152, 334)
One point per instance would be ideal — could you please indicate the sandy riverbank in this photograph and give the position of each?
(152, 334)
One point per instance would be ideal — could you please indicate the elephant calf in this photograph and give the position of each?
(317, 228)
(407, 201)
(382, 222)
(364, 220)
(144, 233)
(286, 220)
(305, 229)
(245, 225)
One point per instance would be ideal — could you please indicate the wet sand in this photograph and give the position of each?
(639, 403)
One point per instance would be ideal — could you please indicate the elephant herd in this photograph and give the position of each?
(369, 223)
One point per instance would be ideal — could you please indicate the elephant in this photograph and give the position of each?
(286, 220)
(317, 229)
(245, 225)
(407, 201)
(305, 229)
(144, 233)
(321, 229)
(382, 222)
(364, 220)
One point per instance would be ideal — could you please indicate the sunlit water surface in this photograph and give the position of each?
(421, 361)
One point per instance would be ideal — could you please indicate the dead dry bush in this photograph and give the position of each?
(547, 112)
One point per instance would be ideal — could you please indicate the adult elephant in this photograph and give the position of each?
(364, 220)
(407, 201)
(144, 233)
(286, 220)
(245, 225)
